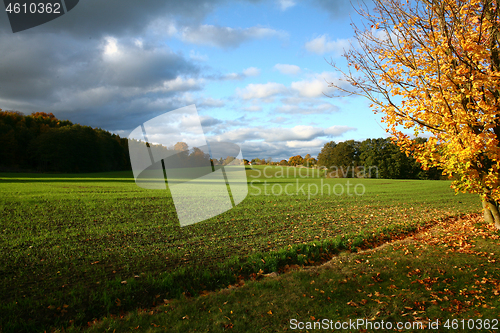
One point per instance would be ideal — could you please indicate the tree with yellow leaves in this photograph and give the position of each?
(434, 67)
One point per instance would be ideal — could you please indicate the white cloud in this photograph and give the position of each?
(310, 88)
(187, 123)
(285, 4)
(300, 132)
(338, 130)
(162, 27)
(232, 76)
(279, 151)
(225, 37)
(326, 107)
(307, 109)
(111, 47)
(261, 90)
(280, 120)
(382, 35)
(197, 56)
(237, 135)
(305, 144)
(132, 62)
(188, 98)
(181, 84)
(210, 102)
(251, 71)
(277, 142)
(139, 43)
(253, 108)
(316, 86)
(280, 134)
(287, 69)
(323, 44)
(295, 100)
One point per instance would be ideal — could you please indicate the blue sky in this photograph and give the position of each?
(255, 70)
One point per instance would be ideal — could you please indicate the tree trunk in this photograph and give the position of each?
(488, 218)
(491, 212)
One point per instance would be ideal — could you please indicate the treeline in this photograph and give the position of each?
(381, 157)
(41, 142)
(375, 158)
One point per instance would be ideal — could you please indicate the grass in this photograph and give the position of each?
(74, 248)
(444, 276)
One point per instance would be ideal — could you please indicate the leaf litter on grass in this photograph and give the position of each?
(447, 271)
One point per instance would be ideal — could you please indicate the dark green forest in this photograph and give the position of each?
(384, 154)
(40, 142)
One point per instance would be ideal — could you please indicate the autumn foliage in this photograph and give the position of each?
(434, 67)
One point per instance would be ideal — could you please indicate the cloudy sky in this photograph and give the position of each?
(257, 71)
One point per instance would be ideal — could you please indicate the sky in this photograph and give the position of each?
(257, 71)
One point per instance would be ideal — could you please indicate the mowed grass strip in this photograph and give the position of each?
(78, 247)
(446, 276)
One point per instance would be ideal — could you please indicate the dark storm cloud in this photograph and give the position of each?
(135, 66)
(35, 67)
(41, 68)
(335, 8)
(94, 18)
(90, 67)
(106, 64)
(120, 114)
(226, 37)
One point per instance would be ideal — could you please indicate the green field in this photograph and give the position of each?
(440, 279)
(78, 247)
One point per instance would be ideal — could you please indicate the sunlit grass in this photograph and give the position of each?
(446, 277)
(73, 239)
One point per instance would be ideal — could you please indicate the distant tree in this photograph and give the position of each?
(258, 161)
(68, 149)
(325, 157)
(345, 154)
(17, 131)
(375, 156)
(42, 142)
(388, 161)
(309, 162)
(181, 146)
(283, 162)
(295, 160)
(228, 160)
(198, 158)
